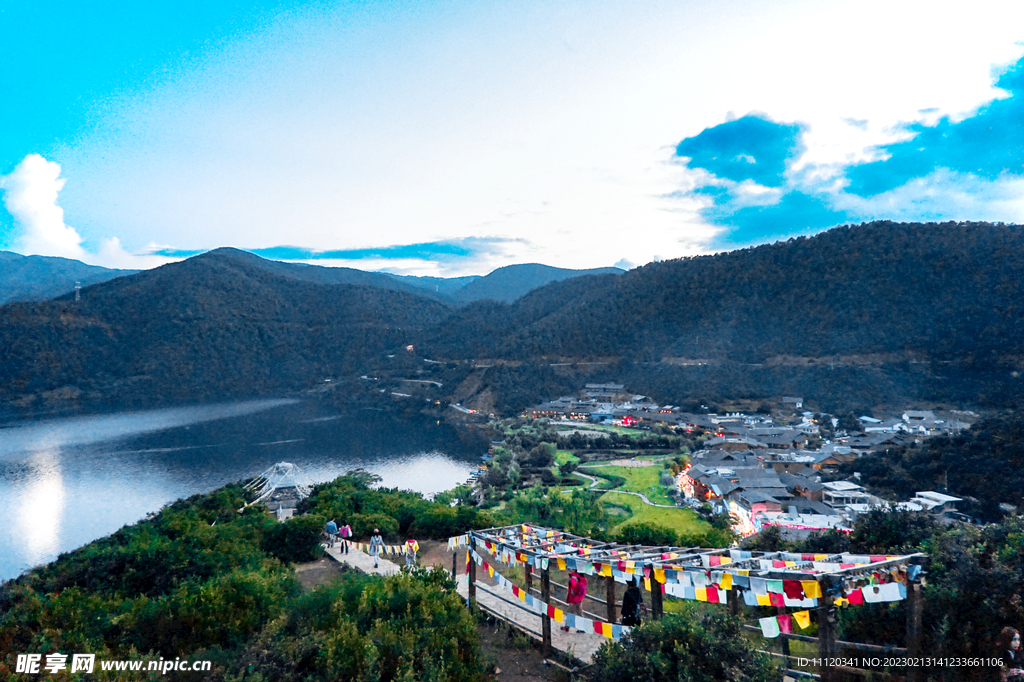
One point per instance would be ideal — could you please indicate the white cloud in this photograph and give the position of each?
(30, 195)
(943, 195)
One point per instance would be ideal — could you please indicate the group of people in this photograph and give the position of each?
(333, 534)
(632, 601)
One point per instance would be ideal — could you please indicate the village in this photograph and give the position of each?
(776, 467)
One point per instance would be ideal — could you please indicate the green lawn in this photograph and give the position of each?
(646, 480)
(563, 456)
(677, 519)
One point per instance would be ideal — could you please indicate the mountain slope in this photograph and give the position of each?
(512, 282)
(945, 291)
(37, 278)
(213, 325)
(882, 312)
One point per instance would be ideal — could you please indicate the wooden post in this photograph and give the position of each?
(826, 633)
(657, 598)
(545, 621)
(471, 575)
(732, 597)
(610, 597)
(455, 564)
(529, 577)
(915, 605)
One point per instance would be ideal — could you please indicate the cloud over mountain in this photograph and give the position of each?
(757, 178)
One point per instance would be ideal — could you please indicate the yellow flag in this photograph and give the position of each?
(803, 619)
(561, 564)
(726, 583)
(659, 575)
(764, 600)
(606, 569)
(647, 584)
(702, 593)
(811, 589)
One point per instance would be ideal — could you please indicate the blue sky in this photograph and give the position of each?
(443, 138)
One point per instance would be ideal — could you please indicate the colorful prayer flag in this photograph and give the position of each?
(769, 627)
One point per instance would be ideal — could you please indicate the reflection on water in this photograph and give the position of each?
(42, 505)
(66, 482)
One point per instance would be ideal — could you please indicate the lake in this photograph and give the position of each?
(65, 482)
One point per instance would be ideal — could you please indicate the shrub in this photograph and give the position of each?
(295, 540)
(363, 525)
(647, 534)
(686, 646)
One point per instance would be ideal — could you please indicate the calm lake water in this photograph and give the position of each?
(66, 482)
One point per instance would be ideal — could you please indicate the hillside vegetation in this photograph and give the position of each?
(851, 317)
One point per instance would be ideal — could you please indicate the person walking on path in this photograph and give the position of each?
(632, 604)
(575, 594)
(346, 533)
(376, 545)
(331, 531)
(411, 547)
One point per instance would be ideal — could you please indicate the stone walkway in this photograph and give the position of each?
(361, 561)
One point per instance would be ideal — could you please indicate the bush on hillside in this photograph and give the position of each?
(647, 534)
(296, 540)
(688, 646)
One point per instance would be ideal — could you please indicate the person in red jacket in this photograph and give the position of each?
(574, 597)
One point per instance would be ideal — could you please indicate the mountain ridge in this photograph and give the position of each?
(935, 310)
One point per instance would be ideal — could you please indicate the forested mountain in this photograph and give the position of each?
(329, 275)
(951, 291)
(37, 278)
(505, 284)
(856, 316)
(515, 281)
(213, 325)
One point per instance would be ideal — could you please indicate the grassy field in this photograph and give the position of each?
(563, 456)
(646, 480)
(680, 520)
